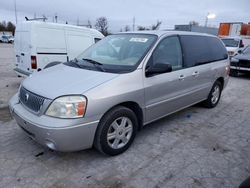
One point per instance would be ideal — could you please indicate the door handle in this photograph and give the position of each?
(196, 73)
(181, 77)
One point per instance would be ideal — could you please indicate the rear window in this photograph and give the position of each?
(202, 49)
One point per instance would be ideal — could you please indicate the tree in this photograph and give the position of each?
(141, 28)
(156, 26)
(126, 28)
(102, 25)
(89, 24)
(11, 27)
(7, 27)
(3, 26)
(152, 27)
(194, 23)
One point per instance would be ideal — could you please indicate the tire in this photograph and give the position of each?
(51, 64)
(234, 73)
(121, 134)
(214, 95)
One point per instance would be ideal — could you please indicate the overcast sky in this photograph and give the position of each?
(121, 12)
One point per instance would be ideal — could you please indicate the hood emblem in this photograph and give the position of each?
(26, 97)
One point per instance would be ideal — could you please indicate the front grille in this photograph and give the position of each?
(30, 100)
(244, 63)
(234, 64)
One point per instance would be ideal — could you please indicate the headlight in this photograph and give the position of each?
(67, 107)
(234, 60)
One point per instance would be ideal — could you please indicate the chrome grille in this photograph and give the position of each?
(30, 100)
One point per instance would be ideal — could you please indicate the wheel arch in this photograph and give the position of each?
(221, 80)
(135, 107)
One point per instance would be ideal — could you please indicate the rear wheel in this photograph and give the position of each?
(214, 95)
(116, 131)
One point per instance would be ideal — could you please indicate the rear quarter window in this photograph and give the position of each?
(200, 50)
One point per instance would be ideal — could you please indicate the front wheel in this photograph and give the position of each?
(214, 95)
(116, 131)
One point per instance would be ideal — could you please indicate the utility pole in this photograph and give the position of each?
(206, 20)
(56, 17)
(77, 21)
(133, 23)
(15, 10)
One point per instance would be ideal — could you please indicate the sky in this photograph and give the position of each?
(121, 12)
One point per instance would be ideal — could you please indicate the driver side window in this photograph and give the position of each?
(168, 51)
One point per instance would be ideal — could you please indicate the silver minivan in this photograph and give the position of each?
(115, 87)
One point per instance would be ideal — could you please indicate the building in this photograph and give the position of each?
(197, 28)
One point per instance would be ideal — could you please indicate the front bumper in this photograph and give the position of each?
(67, 137)
(240, 68)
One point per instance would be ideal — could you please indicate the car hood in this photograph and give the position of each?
(243, 57)
(65, 80)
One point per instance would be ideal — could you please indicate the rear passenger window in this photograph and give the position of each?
(200, 50)
(218, 50)
(169, 52)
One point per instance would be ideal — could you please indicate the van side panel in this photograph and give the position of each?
(50, 45)
(23, 47)
(49, 40)
(77, 42)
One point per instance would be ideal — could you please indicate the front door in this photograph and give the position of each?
(167, 92)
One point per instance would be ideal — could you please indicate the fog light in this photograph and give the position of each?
(50, 145)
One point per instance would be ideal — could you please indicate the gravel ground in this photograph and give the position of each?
(9, 82)
(196, 147)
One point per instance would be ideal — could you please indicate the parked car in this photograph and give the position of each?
(40, 43)
(11, 39)
(6, 39)
(241, 62)
(233, 44)
(114, 88)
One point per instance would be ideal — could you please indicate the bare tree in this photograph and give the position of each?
(153, 27)
(89, 24)
(142, 28)
(156, 26)
(11, 27)
(126, 28)
(194, 23)
(7, 27)
(102, 25)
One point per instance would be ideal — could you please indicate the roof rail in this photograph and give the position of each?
(32, 19)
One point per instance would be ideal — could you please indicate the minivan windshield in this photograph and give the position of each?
(119, 53)
(231, 42)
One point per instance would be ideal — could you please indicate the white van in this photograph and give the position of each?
(233, 44)
(39, 43)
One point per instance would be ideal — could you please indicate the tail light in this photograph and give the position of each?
(33, 62)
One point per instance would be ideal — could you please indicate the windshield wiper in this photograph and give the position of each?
(75, 63)
(95, 63)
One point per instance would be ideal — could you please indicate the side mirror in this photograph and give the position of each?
(241, 44)
(239, 51)
(158, 68)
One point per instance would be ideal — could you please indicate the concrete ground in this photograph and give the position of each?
(196, 147)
